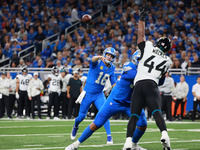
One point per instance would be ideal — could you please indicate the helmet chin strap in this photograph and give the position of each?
(107, 63)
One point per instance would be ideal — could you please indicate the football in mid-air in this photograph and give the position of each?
(86, 18)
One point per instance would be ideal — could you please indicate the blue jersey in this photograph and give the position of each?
(124, 87)
(97, 76)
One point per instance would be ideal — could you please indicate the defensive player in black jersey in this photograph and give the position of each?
(152, 67)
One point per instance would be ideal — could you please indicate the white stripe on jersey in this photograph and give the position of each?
(153, 63)
(24, 81)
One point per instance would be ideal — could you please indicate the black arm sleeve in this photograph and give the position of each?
(141, 46)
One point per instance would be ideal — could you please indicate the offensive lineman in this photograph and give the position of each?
(54, 92)
(118, 101)
(22, 81)
(101, 69)
(153, 65)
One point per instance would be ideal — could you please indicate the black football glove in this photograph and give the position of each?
(143, 11)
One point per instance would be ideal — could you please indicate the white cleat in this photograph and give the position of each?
(137, 147)
(71, 147)
(165, 141)
(56, 118)
(109, 140)
(128, 144)
(48, 118)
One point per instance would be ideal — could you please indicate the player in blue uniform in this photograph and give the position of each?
(118, 101)
(101, 69)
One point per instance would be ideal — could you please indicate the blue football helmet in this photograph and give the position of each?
(109, 50)
(136, 57)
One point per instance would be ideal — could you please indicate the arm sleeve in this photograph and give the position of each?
(141, 47)
(129, 75)
(93, 64)
(161, 81)
(112, 79)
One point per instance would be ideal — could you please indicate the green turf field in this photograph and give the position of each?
(43, 134)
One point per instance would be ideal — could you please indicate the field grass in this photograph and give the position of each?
(43, 134)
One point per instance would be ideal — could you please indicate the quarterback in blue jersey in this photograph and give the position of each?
(101, 69)
(118, 101)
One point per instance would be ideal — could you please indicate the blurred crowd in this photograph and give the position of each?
(177, 19)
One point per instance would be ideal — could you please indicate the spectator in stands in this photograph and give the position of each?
(28, 63)
(196, 62)
(40, 64)
(21, 63)
(16, 48)
(186, 63)
(196, 100)
(181, 92)
(8, 51)
(59, 65)
(46, 52)
(61, 43)
(176, 64)
(21, 33)
(47, 31)
(24, 43)
(74, 14)
(32, 34)
(39, 38)
(49, 63)
(35, 62)
(74, 88)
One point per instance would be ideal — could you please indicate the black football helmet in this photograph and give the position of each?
(164, 44)
(55, 71)
(25, 69)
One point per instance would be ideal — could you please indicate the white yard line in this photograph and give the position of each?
(103, 145)
(97, 133)
(33, 145)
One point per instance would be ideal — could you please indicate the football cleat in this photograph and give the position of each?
(71, 147)
(128, 144)
(137, 147)
(165, 141)
(109, 139)
(74, 132)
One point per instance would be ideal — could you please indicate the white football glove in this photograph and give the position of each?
(17, 95)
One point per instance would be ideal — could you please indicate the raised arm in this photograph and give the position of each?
(141, 25)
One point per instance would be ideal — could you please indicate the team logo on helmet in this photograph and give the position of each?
(136, 57)
(164, 44)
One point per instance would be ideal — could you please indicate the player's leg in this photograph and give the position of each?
(85, 104)
(153, 101)
(38, 101)
(137, 103)
(102, 116)
(27, 105)
(50, 104)
(32, 107)
(99, 103)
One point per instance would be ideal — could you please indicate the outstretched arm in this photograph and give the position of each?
(141, 25)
